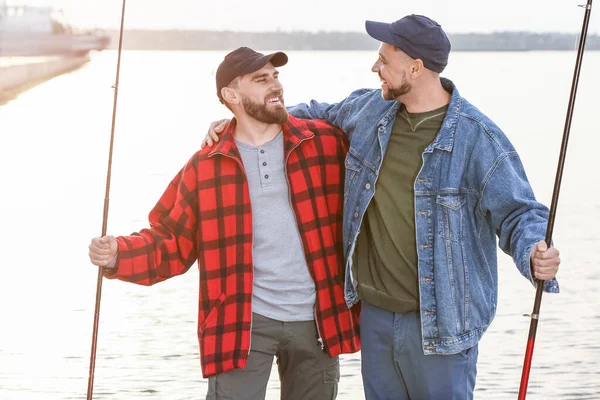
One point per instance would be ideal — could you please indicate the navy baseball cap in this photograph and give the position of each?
(418, 36)
(243, 61)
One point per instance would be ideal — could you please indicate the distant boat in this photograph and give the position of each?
(43, 31)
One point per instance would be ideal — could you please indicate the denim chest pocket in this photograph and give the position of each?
(353, 167)
(450, 215)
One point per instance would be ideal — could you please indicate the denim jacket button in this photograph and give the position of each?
(355, 215)
(368, 186)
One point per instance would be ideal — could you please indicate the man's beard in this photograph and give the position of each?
(261, 112)
(394, 93)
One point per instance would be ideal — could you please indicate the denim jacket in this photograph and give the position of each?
(471, 188)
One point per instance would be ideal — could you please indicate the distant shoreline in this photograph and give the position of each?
(331, 41)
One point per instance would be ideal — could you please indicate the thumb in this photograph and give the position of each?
(541, 246)
(108, 239)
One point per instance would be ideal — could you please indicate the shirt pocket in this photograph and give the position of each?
(450, 215)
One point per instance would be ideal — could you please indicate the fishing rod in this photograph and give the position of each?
(90, 389)
(535, 315)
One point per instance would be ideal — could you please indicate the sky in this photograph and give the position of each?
(455, 16)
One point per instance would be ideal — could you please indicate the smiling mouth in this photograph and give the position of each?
(274, 100)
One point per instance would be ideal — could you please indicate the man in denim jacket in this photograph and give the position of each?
(430, 182)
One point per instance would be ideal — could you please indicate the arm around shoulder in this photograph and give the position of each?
(336, 113)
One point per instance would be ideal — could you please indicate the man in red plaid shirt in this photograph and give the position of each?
(261, 214)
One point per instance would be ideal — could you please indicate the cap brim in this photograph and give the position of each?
(277, 59)
(380, 31)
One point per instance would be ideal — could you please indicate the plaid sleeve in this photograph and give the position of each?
(168, 248)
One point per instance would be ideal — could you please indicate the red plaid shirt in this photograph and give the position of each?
(205, 215)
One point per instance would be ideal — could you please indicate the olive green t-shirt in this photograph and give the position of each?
(386, 254)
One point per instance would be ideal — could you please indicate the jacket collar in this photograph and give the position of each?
(445, 138)
(294, 131)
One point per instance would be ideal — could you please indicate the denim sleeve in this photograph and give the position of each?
(519, 220)
(336, 114)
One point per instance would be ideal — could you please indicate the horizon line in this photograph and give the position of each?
(336, 31)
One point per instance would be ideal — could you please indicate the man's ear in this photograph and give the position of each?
(417, 67)
(229, 95)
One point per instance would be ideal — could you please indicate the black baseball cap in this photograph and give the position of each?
(243, 61)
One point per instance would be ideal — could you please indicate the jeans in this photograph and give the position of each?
(395, 368)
